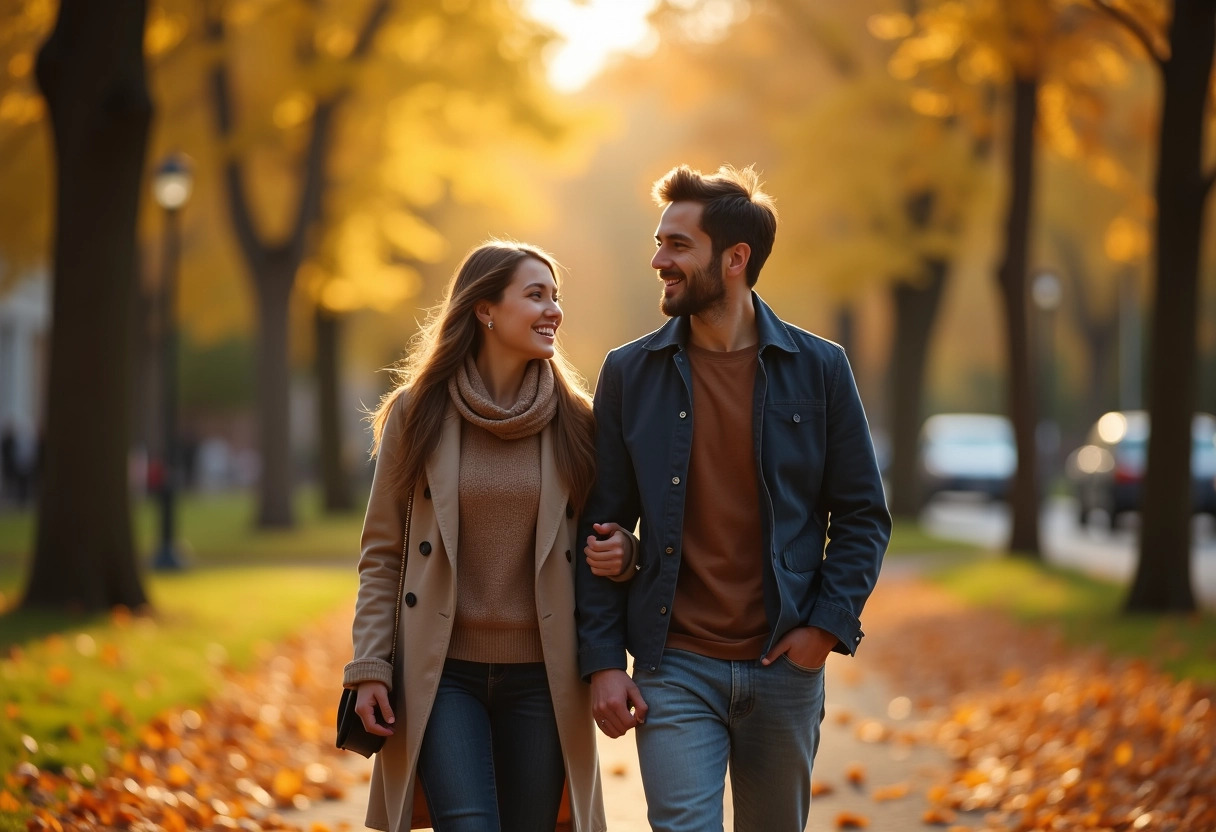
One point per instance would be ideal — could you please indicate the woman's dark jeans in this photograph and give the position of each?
(491, 758)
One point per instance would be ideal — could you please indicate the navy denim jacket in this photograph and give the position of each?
(824, 515)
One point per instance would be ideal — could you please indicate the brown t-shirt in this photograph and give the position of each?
(719, 604)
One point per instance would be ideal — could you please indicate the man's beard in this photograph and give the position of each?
(704, 289)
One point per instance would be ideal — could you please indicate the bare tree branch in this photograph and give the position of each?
(1135, 27)
(234, 170)
(371, 27)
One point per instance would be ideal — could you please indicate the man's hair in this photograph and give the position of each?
(734, 209)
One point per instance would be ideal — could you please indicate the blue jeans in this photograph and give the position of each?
(491, 758)
(707, 713)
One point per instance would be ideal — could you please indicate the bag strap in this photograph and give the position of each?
(405, 548)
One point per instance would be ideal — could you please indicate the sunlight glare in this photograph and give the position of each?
(590, 32)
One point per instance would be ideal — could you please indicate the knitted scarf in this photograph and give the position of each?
(535, 407)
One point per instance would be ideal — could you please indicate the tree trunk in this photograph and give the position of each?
(334, 480)
(273, 283)
(1099, 328)
(91, 71)
(273, 267)
(915, 313)
(1023, 412)
(1163, 574)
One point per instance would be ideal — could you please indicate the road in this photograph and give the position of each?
(1094, 550)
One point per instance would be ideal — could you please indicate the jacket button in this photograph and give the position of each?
(683, 414)
(669, 550)
(569, 557)
(797, 418)
(663, 610)
(653, 668)
(410, 599)
(425, 547)
(427, 492)
(569, 511)
(675, 480)
(637, 567)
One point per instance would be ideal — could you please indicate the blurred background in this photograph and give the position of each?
(968, 194)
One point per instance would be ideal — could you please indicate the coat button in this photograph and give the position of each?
(675, 480)
(797, 418)
(637, 567)
(683, 414)
(410, 599)
(427, 492)
(425, 547)
(669, 550)
(663, 610)
(569, 557)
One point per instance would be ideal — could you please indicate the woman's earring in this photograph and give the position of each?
(490, 324)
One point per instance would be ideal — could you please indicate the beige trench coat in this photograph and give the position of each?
(427, 615)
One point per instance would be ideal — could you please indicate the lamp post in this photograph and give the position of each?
(172, 183)
(1046, 293)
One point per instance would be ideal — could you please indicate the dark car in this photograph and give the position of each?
(968, 452)
(1108, 470)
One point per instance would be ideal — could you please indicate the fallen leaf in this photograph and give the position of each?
(895, 791)
(855, 774)
(850, 820)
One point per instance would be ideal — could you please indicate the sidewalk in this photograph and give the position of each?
(858, 706)
(873, 767)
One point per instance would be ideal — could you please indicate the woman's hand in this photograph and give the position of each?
(608, 556)
(371, 702)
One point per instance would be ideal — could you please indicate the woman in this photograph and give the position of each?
(491, 433)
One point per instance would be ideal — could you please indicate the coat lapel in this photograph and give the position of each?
(443, 478)
(553, 499)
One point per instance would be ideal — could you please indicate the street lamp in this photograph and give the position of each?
(172, 183)
(1046, 292)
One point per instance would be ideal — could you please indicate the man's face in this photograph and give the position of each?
(691, 275)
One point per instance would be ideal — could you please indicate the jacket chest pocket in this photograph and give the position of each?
(795, 436)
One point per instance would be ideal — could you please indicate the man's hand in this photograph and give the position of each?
(609, 556)
(374, 695)
(616, 702)
(806, 647)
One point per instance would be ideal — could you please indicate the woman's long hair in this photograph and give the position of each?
(437, 351)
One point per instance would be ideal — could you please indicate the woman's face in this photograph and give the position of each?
(527, 317)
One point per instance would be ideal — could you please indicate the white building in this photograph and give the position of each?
(25, 320)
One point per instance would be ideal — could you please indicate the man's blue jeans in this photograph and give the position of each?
(707, 713)
(491, 758)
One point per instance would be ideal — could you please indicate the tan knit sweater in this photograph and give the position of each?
(499, 498)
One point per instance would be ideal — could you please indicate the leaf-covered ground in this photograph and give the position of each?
(1038, 737)
(1042, 737)
(263, 745)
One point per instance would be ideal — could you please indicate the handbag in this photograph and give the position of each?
(351, 734)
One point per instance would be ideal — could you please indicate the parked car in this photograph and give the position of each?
(969, 452)
(1107, 471)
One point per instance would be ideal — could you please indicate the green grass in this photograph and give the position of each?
(78, 684)
(908, 538)
(217, 529)
(1086, 611)
(95, 681)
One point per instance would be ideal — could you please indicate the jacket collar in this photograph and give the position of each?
(770, 329)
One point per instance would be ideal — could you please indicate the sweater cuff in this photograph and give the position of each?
(367, 670)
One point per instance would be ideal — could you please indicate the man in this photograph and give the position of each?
(740, 443)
